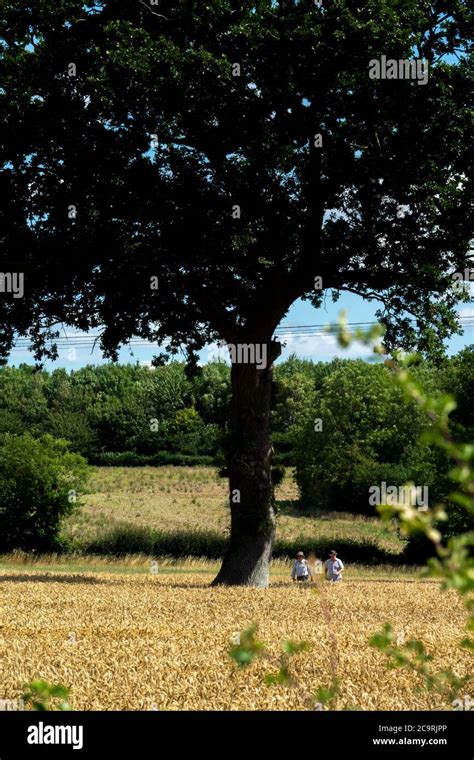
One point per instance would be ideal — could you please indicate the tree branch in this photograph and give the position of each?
(159, 15)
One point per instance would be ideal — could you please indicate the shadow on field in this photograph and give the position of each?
(50, 578)
(289, 507)
(126, 539)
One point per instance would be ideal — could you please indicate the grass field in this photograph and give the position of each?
(122, 637)
(194, 499)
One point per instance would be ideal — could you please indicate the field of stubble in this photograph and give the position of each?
(161, 642)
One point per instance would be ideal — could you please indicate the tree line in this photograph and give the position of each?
(347, 428)
(340, 423)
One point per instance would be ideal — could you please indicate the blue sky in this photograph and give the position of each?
(318, 347)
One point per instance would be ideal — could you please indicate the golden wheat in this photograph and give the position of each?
(161, 641)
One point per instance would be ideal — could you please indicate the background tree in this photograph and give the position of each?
(180, 144)
(459, 380)
(368, 435)
(295, 384)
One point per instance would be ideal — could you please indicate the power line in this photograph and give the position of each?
(85, 340)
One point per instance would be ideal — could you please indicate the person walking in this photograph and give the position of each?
(301, 571)
(333, 567)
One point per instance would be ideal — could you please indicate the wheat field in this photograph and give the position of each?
(160, 641)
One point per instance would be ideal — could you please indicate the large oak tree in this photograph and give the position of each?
(236, 151)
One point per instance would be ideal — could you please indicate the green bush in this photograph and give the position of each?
(40, 481)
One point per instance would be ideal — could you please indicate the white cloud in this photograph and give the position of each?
(316, 347)
(322, 347)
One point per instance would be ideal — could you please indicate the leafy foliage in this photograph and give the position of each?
(132, 415)
(40, 482)
(222, 139)
(367, 436)
(42, 696)
(247, 648)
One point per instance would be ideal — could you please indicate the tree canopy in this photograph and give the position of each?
(132, 132)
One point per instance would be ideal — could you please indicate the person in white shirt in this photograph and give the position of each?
(301, 571)
(333, 567)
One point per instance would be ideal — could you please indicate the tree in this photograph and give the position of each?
(212, 391)
(368, 434)
(237, 157)
(459, 380)
(23, 407)
(293, 401)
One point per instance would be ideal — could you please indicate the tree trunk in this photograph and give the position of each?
(247, 562)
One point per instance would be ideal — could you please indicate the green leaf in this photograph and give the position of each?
(248, 648)
(293, 647)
